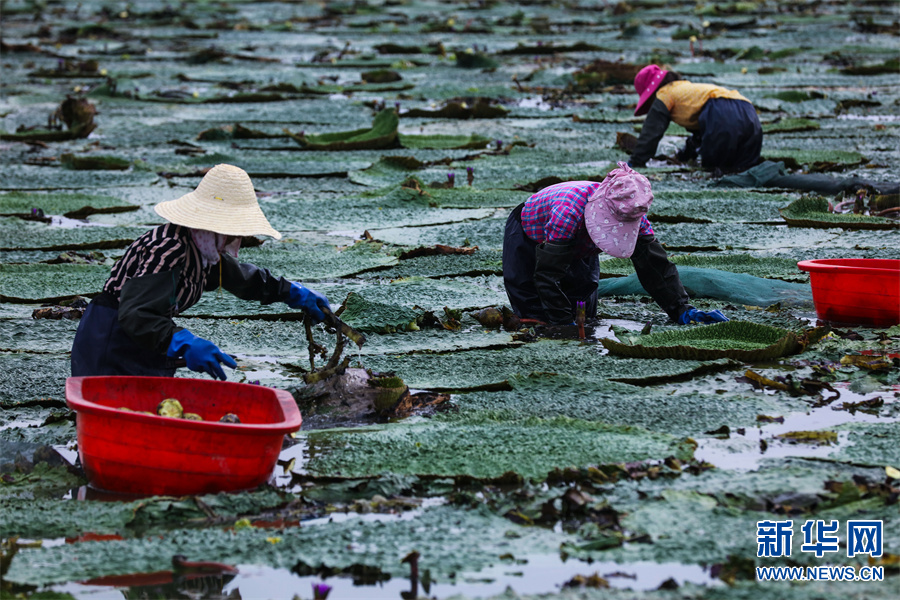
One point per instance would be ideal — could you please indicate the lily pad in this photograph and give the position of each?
(790, 125)
(450, 540)
(740, 340)
(654, 408)
(714, 206)
(466, 108)
(71, 205)
(382, 134)
(815, 160)
(366, 315)
(94, 162)
(50, 283)
(127, 518)
(487, 262)
(473, 141)
(486, 448)
(875, 444)
(494, 368)
(812, 211)
(311, 262)
(27, 177)
(33, 380)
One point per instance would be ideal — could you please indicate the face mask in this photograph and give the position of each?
(212, 244)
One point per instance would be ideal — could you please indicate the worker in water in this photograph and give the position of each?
(724, 125)
(553, 240)
(128, 328)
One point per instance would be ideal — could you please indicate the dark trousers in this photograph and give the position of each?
(579, 283)
(731, 135)
(101, 347)
(655, 271)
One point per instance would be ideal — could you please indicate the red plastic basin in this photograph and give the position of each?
(147, 454)
(856, 291)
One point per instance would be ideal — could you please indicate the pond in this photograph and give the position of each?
(388, 141)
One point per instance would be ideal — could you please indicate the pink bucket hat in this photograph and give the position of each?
(613, 213)
(646, 82)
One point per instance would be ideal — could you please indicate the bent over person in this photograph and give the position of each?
(724, 125)
(553, 240)
(128, 329)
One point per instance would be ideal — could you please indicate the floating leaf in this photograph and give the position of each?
(368, 316)
(382, 134)
(809, 437)
(463, 108)
(812, 211)
(740, 340)
(94, 162)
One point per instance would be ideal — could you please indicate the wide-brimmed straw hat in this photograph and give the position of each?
(613, 213)
(646, 82)
(224, 202)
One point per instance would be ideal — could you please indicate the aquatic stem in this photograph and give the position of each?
(334, 365)
(307, 324)
(413, 559)
(338, 350)
(579, 318)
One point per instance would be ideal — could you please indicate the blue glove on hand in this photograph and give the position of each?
(692, 315)
(310, 301)
(201, 355)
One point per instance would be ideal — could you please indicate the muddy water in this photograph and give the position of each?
(744, 450)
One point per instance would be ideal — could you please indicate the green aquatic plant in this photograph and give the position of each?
(448, 142)
(371, 316)
(77, 113)
(815, 160)
(483, 446)
(790, 125)
(382, 134)
(67, 204)
(813, 211)
(94, 162)
(740, 340)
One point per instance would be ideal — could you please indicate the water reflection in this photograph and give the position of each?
(161, 585)
(744, 449)
(534, 574)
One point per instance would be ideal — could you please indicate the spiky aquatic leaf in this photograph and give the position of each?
(740, 340)
(812, 211)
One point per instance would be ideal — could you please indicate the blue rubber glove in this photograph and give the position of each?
(201, 355)
(310, 301)
(692, 315)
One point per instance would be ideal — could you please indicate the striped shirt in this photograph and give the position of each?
(556, 213)
(163, 249)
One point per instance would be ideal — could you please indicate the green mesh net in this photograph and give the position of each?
(739, 288)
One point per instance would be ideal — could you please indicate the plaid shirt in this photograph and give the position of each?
(556, 213)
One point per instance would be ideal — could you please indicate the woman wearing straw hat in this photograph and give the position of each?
(128, 328)
(553, 240)
(724, 125)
